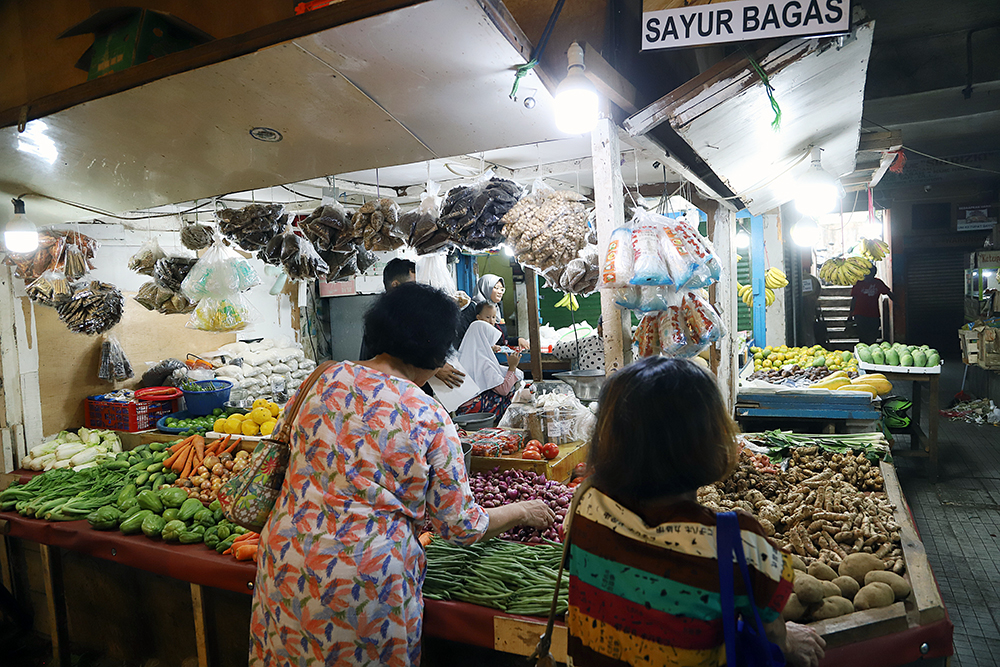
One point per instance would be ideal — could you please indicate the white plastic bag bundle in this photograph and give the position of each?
(433, 270)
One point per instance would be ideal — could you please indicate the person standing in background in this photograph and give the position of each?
(864, 306)
(811, 289)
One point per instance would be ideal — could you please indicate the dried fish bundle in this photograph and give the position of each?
(579, 275)
(341, 263)
(254, 225)
(365, 259)
(93, 308)
(50, 254)
(473, 214)
(145, 260)
(271, 253)
(195, 236)
(376, 223)
(50, 289)
(170, 272)
(300, 259)
(162, 300)
(73, 263)
(329, 227)
(115, 366)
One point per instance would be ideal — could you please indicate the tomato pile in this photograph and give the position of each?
(536, 451)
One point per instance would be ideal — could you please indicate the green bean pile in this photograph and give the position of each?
(511, 576)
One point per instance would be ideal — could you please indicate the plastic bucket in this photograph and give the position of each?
(215, 395)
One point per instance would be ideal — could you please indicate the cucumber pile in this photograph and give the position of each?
(897, 354)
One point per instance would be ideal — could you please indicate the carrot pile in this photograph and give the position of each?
(189, 453)
(244, 547)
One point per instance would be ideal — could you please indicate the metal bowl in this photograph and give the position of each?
(474, 421)
(585, 384)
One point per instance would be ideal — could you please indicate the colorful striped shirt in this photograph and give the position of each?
(644, 590)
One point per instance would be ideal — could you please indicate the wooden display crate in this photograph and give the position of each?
(970, 345)
(558, 469)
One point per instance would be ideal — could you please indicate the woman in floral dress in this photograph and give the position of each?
(373, 457)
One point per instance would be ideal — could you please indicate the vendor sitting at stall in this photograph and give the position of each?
(587, 354)
(489, 289)
(477, 357)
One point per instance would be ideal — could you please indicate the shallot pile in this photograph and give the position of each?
(502, 487)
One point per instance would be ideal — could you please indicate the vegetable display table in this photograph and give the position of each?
(922, 444)
(917, 629)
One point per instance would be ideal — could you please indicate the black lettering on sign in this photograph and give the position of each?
(770, 18)
(813, 13)
(795, 18)
(722, 19)
(687, 25)
(653, 30)
(706, 32)
(670, 28)
(836, 11)
(750, 20)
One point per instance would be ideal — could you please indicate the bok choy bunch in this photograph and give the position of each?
(83, 449)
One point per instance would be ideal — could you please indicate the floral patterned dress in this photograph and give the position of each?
(340, 573)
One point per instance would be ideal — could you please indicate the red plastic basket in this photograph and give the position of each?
(133, 416)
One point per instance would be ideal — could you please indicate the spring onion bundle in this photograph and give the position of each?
(65, 495)
(780, 443)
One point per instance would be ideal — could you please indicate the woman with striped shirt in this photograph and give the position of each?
(644, 583)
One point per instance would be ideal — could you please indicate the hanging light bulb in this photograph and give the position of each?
(742, 239)
(872, 229)
(805, 233)
(818, 190)
(576, 97)
(20, 235)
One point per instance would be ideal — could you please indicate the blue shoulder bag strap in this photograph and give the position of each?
(724, 522)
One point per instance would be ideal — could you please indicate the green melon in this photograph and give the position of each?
(878, 356)
(906, 360)
(891, 357)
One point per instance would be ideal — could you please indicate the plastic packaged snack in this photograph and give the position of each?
(702, 321)
(618, 259)
(678, 257)
(701, 249)
(655, 298)
(647, 246)
(647, 335)
(672, 330)
(220, 271)
(221, 314)
(628, 297)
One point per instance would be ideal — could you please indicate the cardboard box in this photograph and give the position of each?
(127, 36)
(989, 348)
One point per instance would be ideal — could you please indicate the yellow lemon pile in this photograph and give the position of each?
(803, 357)
(261, 420)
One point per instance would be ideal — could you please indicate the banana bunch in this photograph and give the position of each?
(775, 278)
(746, 295)
(569, 302)
(847, 272)
(874, 249)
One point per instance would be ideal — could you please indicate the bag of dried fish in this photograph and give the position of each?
(300, 259)
(473, 214)
(221, 314)
(548, 228)
(146, 296)
(422, 221)
(50, 254)
(329, 227)
(437, 241)
(220, 271)
(337, 260)
(115, 366)
(170, 272)
(365, 258)
(254, 225)
(145, 260)
(376, 223)
(271, 253)
(50, 289)
(92, 308)
(72, 262)
(177, 304)
(196, 236)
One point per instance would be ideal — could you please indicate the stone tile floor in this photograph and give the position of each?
(959, 522)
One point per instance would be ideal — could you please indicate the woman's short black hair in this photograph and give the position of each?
(662, 429)
(414, 323)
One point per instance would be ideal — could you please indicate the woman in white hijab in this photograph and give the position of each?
(477, 357)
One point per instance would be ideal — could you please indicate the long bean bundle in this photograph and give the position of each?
(64, 494)
(510, 576)
(780, 443)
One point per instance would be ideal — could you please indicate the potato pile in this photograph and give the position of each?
(831, 512)
(858, 583)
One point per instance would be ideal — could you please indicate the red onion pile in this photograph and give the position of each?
(502, 487)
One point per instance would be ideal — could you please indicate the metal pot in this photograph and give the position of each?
(585, 384)
(474, 421)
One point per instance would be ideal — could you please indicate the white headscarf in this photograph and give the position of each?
(477, 357)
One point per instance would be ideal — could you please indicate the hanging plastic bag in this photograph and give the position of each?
(655, 298)
(375, 223)
(300, 259)
(679, 259)
(628, 297)
(433, 270)
(618, 259)
(473, 215)
(673, 331)
(422, 221)
(221, 314)
(195, 236)
(328, 227)
(648, 240)
(700, 247)
(72, 263)
(115, 366)
(50, 289)
(702, 320)
(647, 335)
(145, 259)
(170, 272)
(219, 272)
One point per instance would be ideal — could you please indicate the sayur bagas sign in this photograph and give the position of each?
(670, 24)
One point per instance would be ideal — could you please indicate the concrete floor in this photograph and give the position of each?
(959, 522)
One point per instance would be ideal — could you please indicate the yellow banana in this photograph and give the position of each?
(768, 296)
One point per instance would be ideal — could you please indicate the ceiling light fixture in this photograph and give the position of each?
(20, 235)
(818, 190)
(805, 233)
(576, 96)
(742, 239)
(270, 135)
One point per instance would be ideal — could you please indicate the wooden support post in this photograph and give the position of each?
(534, 340)
(200, 633)
(610, 208)
(55, 605)
(722, 222)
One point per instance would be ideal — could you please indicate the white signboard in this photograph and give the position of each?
(665, 25)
